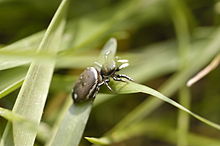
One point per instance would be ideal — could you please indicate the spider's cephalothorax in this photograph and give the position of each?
(88, 85)
(108, 71)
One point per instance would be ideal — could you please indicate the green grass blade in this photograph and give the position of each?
(73, 125)
(108, 52)
(11, 79)
(183, 118)
(32, 96)
(100, 141)
(101, 98)
(181, 25)
(89, 32)
(7, 114)
(12, 117)
(59, 121)
(171, 86)
(143, 71)
(132, 87)
(16, 118)
(28, 44)
(153, 130)
(75, 119)
(164, 62)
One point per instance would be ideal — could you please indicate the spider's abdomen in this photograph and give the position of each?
(86, 86)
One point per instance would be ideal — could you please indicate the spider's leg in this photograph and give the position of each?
(124, 76)
(100, 84)
(118, 79)
(95, 93)
(106, 83)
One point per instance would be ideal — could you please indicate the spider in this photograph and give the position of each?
(92, 78)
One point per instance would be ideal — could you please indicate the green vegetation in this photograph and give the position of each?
(45, 45)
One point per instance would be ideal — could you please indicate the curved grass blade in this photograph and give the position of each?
(131, 87)
(172, 84)
(100, 98)
(155, 130)
(32, 96)
(169, 63)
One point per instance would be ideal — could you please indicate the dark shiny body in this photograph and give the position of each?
(86, 86)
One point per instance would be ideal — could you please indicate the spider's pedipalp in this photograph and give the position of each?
(123, 66)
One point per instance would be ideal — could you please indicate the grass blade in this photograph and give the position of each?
(7, 114)
(153, 130)
(183, 37)
(89, 32)
(172, 84)
(16, 118)
(32, 96)
(11, 79)
(183, 118)
(73, 125)
(132, 87)
(57, 124)
(12, 117)
(148, 70)
(27, 44)
(108, 53)
(75, 119)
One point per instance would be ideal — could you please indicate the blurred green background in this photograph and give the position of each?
(161, 39)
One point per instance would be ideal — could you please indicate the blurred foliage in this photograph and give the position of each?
(150, 34)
